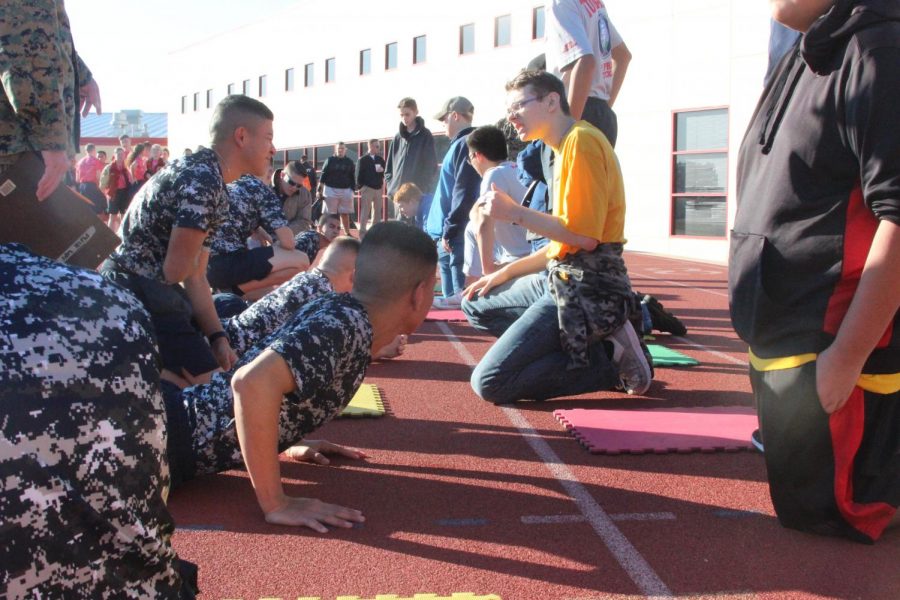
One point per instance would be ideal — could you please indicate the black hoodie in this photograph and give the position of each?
(819, 167)
(412, 159)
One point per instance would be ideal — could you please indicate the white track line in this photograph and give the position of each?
(722, 355)
(563, 519)
(678, 283)
(628, 557)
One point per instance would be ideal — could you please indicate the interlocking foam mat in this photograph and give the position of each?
(666, 357)
(661, 430)
(366, 402)
(454, 596)
(451, 315)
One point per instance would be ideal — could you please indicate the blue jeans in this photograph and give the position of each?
(527, 361)
(450, 264)
(504, 304)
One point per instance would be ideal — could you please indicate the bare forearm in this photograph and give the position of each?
(580, 77)
(198, 292)
(551, 227)
(285, 237)
(621, 57)
(527, 265)
(257, 404)
(877, 298)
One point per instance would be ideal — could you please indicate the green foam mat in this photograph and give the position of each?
(666, 357)
(366, 402)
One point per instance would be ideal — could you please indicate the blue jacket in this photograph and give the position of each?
(457, 189)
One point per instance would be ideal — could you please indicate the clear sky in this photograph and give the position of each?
(126, 42)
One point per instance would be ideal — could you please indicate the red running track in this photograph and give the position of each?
(463, 496)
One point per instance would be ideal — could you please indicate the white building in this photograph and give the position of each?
(335, 71)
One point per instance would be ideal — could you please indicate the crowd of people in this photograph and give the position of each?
(232, 321)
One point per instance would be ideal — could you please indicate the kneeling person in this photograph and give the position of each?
(299, 377)
(247, 271)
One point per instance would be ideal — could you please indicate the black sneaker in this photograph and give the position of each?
(662, 319)
(756, 440)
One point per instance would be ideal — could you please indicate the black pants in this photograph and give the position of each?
(835, 474)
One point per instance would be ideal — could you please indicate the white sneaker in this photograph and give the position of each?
(634, 370)
(441, 303)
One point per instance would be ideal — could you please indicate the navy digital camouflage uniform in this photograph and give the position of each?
(40, 73)
(188, 192)
(309, 242)
(251, 204)
(327, 345)
(83, 468)
(274, 309)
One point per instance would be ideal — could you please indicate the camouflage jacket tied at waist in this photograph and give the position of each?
(40, 73)
(593, 296)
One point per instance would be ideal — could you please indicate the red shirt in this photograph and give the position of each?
(87, 170)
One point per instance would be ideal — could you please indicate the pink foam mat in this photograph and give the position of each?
(662, 430)
(452, 315)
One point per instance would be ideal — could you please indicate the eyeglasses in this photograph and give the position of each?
(516, 107)
(472, 157)
(292, 183)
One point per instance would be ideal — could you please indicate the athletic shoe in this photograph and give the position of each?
(451, 303)
(662, 319)
(628, 355)
(756, 440)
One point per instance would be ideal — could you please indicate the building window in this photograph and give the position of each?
(183, 104)
(419, 49)
(467, 39)
(390, 56)
(502, 28)
(700, 173)
(537, 23)
(209, 98)
(230, 89)
(196, 101)
(329, 70)
(245, 87)
(365, 61)
(289, 80)
(308, 75)
(262, 85)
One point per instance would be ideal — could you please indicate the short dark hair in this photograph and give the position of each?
(303, 157)
(373, 141)
(541, 83)
(327, 217)
(393, 259)
(490, 141)
(90, 147)
(236, 110)
(408, 103)
(345, 242)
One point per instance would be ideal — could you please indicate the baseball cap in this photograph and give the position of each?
(458, 104)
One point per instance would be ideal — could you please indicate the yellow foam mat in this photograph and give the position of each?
(367, 402)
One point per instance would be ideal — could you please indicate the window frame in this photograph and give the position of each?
(497, 19)
(675, 153)
(462, 39)
(387, 56)
(416, 59)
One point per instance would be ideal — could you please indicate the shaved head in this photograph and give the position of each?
(393, 259)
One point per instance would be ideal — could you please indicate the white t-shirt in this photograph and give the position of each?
(509, 237)
(576, 28)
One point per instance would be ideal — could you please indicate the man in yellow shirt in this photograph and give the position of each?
(553, 310)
